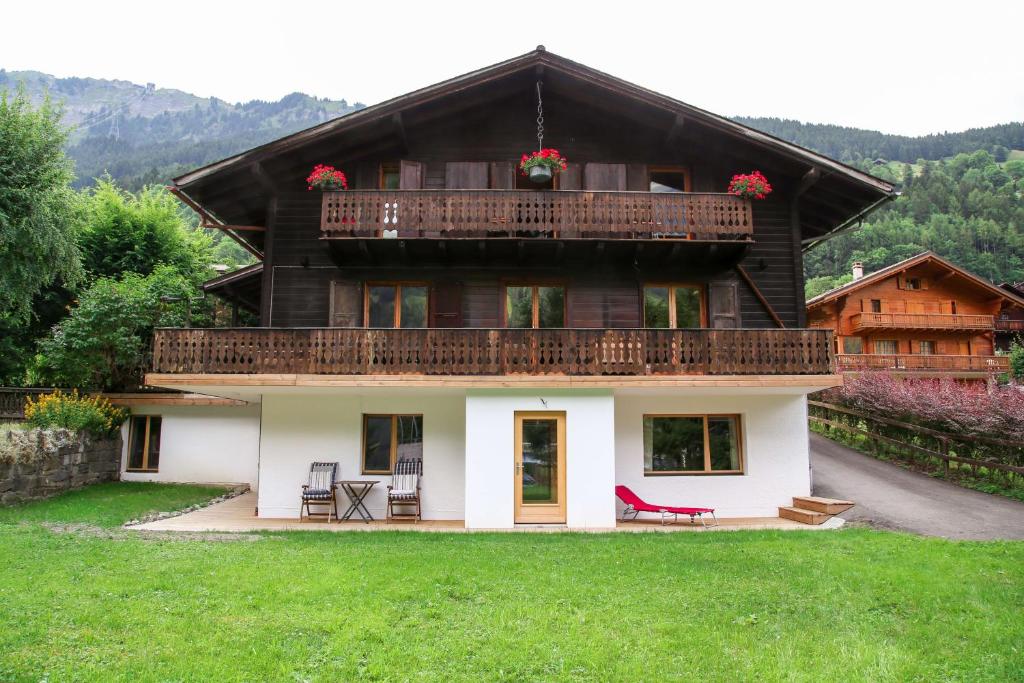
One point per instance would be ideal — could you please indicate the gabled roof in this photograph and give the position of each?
(538, 58)
(234, 277)
(913, 261)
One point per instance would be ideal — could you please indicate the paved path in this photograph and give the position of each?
(891, 497)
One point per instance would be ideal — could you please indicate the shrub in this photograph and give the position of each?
(90, 414)
(965, 408)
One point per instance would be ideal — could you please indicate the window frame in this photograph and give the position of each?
(389, 167)
(707, 471)
(394, 441)
(875, 343)
(534, 303)
(397, 284)
(684, 170)
(921, 346)
(145, 444)
(673, 321)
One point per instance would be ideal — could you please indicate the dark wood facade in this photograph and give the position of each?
(468, 226)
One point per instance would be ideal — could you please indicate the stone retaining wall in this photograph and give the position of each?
(85, 461)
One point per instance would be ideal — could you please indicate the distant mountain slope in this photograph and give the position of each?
(141, 134)
(856, 144)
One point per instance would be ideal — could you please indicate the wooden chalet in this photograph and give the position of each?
(445, 297)
(921, 316)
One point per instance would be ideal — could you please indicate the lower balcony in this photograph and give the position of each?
(491, 352)
(924, 363)
(921, 321)
(1006, 325)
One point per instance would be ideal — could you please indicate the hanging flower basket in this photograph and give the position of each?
(541, 166)
(750, 185)
(326, 179)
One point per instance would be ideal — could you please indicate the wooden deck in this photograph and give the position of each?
(236, 515)
(563, 214)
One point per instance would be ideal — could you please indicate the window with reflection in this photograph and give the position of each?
(390, 176)
(144, 443)
(669, 179)
(396, 305)
(673, 306)
(692, 444)
(540, 306)
(388, 439)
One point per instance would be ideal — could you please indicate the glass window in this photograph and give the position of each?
(396, 305)
(668, 181)
(926, 347)
(853, 345)
(414, 306)
(886, 346)
(688, 444)
(876, 305)
(144, 443)
(388, 438)
(656, 307)
(390, 177)
(675, 306)
(550, 307)
(534, 306)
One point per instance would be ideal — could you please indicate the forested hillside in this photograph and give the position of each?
(855, 144)
(141, 134)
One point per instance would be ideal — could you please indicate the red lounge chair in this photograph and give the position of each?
(634, 506)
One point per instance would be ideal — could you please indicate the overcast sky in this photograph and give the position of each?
(899, 67)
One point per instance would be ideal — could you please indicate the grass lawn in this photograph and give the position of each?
(849, 605)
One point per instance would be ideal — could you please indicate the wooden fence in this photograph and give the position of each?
(465, 351)
(12, 400)
(567, 214)
(993, 457)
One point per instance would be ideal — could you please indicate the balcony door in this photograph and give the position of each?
(539, 468)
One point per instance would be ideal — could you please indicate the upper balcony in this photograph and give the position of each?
(455, 352)
(561, 214)
(1009, 325)
(920, 321)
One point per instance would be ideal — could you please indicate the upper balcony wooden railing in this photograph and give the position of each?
(492, 352)
(921, 321)
(535, 213)
(1010, 325)
(923, 362)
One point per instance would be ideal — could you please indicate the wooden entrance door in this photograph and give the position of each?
(540, 468)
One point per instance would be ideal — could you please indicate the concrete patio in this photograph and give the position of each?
(237, 515)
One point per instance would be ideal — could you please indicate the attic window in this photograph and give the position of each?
(390, 176)
(669, 179)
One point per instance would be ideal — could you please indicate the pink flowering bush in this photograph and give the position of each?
(965, 408)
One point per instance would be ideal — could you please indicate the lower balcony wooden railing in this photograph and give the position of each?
(460, 351)
(535, 213)
(921, 321)
(923, 362)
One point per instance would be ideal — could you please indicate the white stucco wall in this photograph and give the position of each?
(590, 466)
(775, 448)
(300, 429)
(202, 444)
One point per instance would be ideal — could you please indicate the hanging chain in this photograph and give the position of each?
(540, 119)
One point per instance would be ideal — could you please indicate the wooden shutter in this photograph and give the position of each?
(503, 175)
(636, 178)
(571, 178)
(446, 304)
(604, 177)
(465, 175)
(410, 175)
(346, 304)
(724, 305)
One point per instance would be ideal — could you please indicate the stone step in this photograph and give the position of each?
(830, 506)
(803, 516)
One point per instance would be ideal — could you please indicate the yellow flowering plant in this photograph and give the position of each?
(91, 413)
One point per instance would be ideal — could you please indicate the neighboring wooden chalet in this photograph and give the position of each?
(923, 315)
(1010, 321)
(627, 321)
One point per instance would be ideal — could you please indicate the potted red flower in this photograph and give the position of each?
(542, 165)
(326, 179)
(750, 185)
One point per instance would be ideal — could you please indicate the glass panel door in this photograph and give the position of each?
(540, 468)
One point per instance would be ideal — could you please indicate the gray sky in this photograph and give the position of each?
(899, 67)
